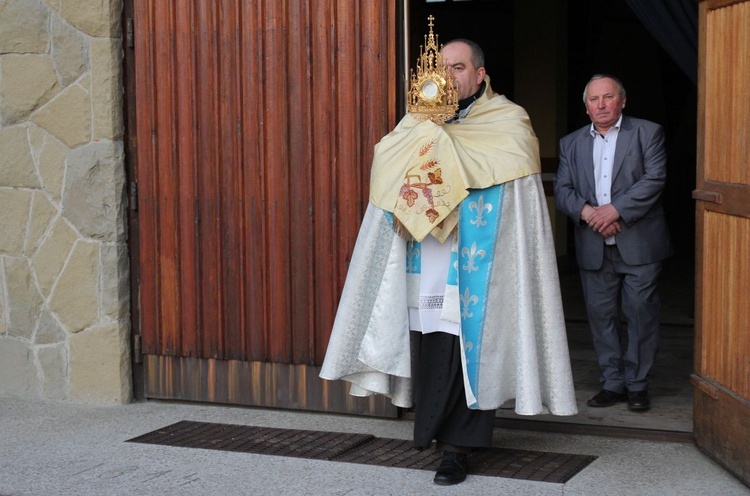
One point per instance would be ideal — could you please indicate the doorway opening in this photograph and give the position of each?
(540, 54)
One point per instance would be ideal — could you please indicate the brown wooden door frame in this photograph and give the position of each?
(721, 410)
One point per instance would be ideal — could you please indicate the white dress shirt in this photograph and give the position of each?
(604, 158)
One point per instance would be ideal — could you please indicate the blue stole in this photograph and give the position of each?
(478, 227)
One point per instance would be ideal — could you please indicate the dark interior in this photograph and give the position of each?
(604, 37)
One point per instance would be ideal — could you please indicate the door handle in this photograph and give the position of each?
(708, 196)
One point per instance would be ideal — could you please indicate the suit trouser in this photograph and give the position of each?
(623, 365)
(440, 410)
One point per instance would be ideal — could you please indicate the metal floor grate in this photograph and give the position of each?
(362, 448)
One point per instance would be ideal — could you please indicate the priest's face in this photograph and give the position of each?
(457, 59)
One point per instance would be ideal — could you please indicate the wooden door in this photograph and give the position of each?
(722, 360)
(255, 124)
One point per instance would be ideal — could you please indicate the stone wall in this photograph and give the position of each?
(64, 289)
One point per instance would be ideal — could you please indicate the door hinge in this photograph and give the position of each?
(137, 354)
(133, 195)
(129, 41)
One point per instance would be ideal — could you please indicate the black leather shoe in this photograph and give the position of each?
(605, 397)
(638, 401)
(452, 469)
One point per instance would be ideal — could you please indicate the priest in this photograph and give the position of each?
(452, 304)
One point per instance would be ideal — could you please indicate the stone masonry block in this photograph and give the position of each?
(52, 254)
(49, 330)
(51, 165)
(42, 212)
(16, 162)
(75, 299)
(24, 301)
(27, 82)
(98, 18)
(23, 26)
(94, 194)
(99, 365)
(69, 51)
(14, 205)
(107, 89)
(115, 281)
(3, 306)
(68, 116)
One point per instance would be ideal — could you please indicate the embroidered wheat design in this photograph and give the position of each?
(425, 149)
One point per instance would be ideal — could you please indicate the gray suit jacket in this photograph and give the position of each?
(638, 177)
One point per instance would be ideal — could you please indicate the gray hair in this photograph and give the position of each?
(477, 55)
(620, 87)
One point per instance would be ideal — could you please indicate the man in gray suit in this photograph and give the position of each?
(609, 181)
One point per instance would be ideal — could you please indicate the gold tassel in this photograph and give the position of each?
(401, 231)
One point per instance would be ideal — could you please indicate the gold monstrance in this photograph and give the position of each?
(432, 94)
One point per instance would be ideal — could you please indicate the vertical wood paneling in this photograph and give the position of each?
(231, 170)
(211, 330)
(323, 146)
(346, 176)
(185, 86)
(725, 322)
(728, 88)
(256, 123)
(277, 209)
(256, 275)
(167, 181)
(301, 191)
(146, 174)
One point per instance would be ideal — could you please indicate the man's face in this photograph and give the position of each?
(603, 103)
(457, 59)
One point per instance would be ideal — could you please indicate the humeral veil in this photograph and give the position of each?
(475, 183)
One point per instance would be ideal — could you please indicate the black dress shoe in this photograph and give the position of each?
(605, 397)
(638, 401)
(452, 469)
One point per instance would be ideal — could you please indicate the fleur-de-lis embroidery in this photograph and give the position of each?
(412, 253)
(479, 206)
(467, 299)
(471, 255)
